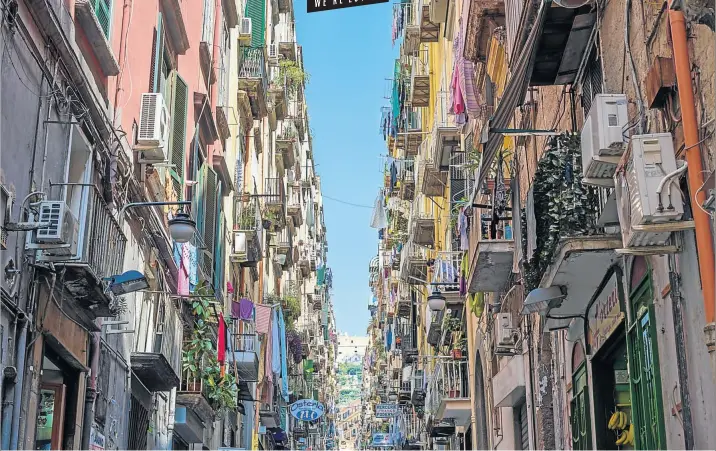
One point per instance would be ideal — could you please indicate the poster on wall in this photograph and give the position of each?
(605, 315)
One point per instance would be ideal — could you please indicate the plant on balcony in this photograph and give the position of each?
(222, 391)
(199, 345)
(451, 324)
(292, 75)
(563, 206)
(247, 217)
(459, 344)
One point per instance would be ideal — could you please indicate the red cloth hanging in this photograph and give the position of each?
(222, 340)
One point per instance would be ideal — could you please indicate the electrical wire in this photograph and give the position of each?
(346, 203)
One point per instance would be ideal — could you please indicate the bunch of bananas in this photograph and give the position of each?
(618, 422)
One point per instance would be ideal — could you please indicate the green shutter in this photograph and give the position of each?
(177, 140)
(209, 220)
(219, 243)
(256, 10)
(198, 200)
(103, 12)
(157, 57)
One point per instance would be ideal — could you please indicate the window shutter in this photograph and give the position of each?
(177, 141)
(256, 10)
(198, 200)
(219, 250)
(103, 12)
(210, 219)
(157, 56)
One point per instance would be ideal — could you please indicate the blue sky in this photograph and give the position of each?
(348, 54)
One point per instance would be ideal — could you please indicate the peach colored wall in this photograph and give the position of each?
(133, 78)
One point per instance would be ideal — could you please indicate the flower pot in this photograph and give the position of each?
(266, 224)
(193, 386)
(457, 354)
(453, 393)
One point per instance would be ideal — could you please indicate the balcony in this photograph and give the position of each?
(420, 81)
(316, 300)
(429, 30)
(270, 416)
(491, 252)
(100, 247)
(410, 127)
(294, 207)
(432, 180)
(561, 45)
(286, 144)
(435, 324)
(94, 16)
(446, 136)
(287, 39)
(448, 396)
(206, 45)
(483, 18)
(193, 394)
(157, 364)
(422, 229)
(275, 199)
(246, 351)
(283, 242)
(253, 78)
(414, 264)
(446, 272)
(509, 384)
(411, 26)
(247, 232)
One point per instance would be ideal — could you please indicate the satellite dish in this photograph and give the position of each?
(572, 4)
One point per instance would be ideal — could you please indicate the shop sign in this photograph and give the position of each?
(97, 441)
(605, 315)
(313, 6)
(386, 410)
(380, 440)
(307, 410)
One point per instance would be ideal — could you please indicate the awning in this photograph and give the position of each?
(512, 97)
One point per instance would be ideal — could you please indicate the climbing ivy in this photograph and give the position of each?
(563, 205)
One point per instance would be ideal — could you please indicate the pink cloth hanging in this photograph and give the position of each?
(183, 272)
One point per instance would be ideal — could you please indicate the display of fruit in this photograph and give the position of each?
(623, 438)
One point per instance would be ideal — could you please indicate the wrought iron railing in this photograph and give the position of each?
(274, 192)
(449, 381)
(247, 214)
(446, 270)
(253, 65)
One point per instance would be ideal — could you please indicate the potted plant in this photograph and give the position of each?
(459, 344)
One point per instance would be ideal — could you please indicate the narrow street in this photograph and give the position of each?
(530, 182)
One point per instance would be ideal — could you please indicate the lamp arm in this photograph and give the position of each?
(147, 204)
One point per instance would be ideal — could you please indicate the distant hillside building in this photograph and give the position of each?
(351, 348)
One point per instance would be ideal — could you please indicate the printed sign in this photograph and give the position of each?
(382, 440)
(605, 315)
(386, 410)
(307, 410)
(314, 6)
(97, 441)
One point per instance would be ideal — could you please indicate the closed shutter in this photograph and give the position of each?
(155, 70)
(256, 10)
(219, 245)
(592, 80)
(513, 14)
(177, 141)
(103, 12)
(524, 429)
(210, 219)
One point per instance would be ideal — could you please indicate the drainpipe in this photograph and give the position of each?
(9, 392)
(91, 394)
(19, 385)
(704, 242)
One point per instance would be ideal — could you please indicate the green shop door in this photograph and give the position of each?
(644, 376)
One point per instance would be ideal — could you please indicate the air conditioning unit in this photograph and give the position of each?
(61, 238)
(603, 141)
(153, 127)
(506, 334)
(273, 54)
(245, 30)
(638, 204)
(239, 253)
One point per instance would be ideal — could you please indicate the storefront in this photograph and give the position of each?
(620, 357)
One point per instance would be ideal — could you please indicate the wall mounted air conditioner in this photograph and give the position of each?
(506, 334)
(153, 128)
(245, 30)
(603, 141)
(239, 252)
(61, 238)
(638, 204)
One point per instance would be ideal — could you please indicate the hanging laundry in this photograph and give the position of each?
(275, 345)
(379, 221)
(462, 228)
(263, 319)
(193, 266)
(246, 310)
(221, 346)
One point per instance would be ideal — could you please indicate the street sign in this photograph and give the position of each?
(307, 410)
(382, 440)
(386, 410)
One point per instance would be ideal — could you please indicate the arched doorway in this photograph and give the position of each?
(481, 430)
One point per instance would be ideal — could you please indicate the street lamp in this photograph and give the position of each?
(540, 300)
(436, 301)
(181, 226)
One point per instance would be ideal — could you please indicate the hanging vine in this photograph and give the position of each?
(563, 205)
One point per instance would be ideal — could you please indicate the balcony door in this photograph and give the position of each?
(50, 417)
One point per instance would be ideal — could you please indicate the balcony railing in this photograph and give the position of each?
(449, 382)
(247, 214)
(274, 192)
(157, 357)
(253, 77)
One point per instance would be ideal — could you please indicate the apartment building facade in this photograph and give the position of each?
(553, 292)
(162, 228)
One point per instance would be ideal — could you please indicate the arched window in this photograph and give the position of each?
(581, 431)
(645, 379)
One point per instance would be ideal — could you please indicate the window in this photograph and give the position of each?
(591, 79)
(103, 11)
